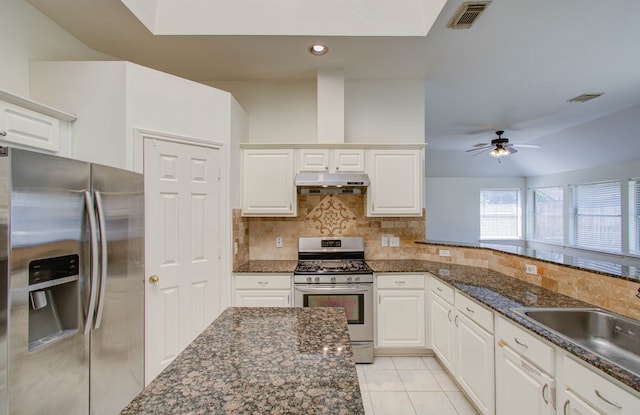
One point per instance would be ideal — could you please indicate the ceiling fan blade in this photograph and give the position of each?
(527, 145)
(485, 150)
(479, 148)
(511, 150)
(481, 144)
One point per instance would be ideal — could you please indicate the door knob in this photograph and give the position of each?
(154, 279)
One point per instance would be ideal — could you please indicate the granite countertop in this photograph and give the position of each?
(501, 293)
(270, 266)
(261, 361)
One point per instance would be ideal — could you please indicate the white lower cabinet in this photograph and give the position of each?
(475, 363)
(262, 290)
(441, 316)
(522, 388)
(524, 372)
(400, 310)
(462, 338)
(585, 391)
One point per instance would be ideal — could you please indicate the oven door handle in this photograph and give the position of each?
(350, 287)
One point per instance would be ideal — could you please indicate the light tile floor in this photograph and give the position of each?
(410, 386)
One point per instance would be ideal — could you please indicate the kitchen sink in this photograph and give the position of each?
(609, 335)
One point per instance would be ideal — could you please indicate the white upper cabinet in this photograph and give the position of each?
(397, 179)
(267, 182)
(331, 160)
(28, 124)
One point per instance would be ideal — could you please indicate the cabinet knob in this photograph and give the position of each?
(154, 279)
(3, 133)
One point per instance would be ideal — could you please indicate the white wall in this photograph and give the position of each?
(453, 205)
(379, 111)
(27, 35)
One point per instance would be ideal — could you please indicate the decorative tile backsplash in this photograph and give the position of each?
(343, 215)
(322, 215)
(331, 217)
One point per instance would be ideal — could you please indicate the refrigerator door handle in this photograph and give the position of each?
(103, 258)
(93, 235)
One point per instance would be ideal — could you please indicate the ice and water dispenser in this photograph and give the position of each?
(54, 295)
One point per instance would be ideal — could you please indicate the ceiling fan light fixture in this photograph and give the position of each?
(499, 152)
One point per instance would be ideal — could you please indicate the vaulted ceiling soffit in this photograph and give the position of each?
(287, 17)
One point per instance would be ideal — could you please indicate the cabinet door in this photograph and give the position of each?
(523, 389)
(267, 183)
(573, 405)
(475, 363)
(262, 298)
(396, 183)
(344, 160)
(24, 127)
(442, 330)
(401, 320)
(313, 159)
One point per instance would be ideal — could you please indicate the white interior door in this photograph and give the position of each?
(182, 193)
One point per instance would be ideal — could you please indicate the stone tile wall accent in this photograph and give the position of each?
(324, 215)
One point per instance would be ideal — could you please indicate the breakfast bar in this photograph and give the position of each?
(261, 360)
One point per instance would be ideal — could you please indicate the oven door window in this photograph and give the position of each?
(353, 304)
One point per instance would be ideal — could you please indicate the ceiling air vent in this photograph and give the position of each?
(584, 97)
(468, 13)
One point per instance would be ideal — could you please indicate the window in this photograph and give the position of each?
(596, 221)
(547, 215)
(500, 214)
(634, 217)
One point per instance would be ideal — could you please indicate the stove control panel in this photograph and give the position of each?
(333, 279)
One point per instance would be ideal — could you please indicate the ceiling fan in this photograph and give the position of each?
(499, 147)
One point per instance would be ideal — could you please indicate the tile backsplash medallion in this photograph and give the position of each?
(322, 215)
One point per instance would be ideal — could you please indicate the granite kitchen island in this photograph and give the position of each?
(261, 361)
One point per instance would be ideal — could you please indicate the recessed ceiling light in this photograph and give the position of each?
(318, 49)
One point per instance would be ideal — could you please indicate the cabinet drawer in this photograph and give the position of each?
(597, 390)
(442, 289)
(482, 316)
(400, 281)
(525, 344)
(262, 281)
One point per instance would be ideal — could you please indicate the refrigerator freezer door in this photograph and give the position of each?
(117, 345)
(5, 184)
(49, 355)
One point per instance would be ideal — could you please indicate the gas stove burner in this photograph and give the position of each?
(334, 266)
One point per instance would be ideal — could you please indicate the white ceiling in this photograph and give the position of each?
(513, 70)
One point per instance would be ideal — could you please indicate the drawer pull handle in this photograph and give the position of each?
(455, 320)
(449, 315)
(263, 283)
(3, 133)
(470, 310)
(606, 400)
(519, 343)
(544, 395)
(439, 289)
(400, 282)
(564, 407)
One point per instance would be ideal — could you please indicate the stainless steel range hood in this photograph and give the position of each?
(331, 183)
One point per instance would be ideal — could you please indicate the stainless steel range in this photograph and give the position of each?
(331, 272)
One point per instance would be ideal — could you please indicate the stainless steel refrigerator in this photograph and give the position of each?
(72, 285)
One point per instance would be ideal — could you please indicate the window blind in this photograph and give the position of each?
(634, 216)
(596, 221)
(547, 215)
(500, 214)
